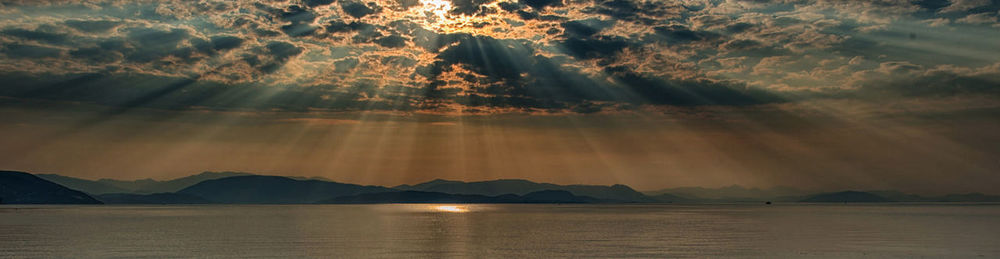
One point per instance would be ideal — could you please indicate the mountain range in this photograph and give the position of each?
(246, 188)
(264, 189)
(25, 188)
(734, 193)
(547, 196)
(143, 186)
(613, 193)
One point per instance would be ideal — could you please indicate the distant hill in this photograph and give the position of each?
(25, 188)
(730, 193)
(616, 193)
(670, 198)
(897, 196)
(901, 196)
(143, 186)
(155, 198)
(84, 185)
(416, 197)
(154, 186)
(546, 196)
(968, 197)
(556, 196)
(259, 189)
(846, 196)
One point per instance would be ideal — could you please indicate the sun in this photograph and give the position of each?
(437, 10)
(437, 15)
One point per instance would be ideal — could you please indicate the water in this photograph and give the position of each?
(502, 231)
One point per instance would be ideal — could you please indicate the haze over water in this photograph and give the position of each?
(501, 231)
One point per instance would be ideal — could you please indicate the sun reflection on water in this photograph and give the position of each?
(451, 208)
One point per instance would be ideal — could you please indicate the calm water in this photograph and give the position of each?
(417, 231)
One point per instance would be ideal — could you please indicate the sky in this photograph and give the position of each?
(813, 94)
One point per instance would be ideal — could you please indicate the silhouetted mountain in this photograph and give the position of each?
(968, 197)
(87, 186)
(296, 189)
(274, 190)
(730, 193)
(618, 192)
(426, 185)
(902, 197)
(416, 197)
(25, 188)
(905, 197)
(318, 178)
(670, 198)
(155, 198)
(144, 186)
(546, 196)
(846, 196)
(556, 196)
(154, 186)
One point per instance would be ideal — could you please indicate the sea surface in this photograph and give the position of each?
(502, 231)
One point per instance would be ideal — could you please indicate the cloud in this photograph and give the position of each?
(273, 56)
(512, 56)
(979, 18)
(469, 7)
(541, 4)
(180, 93)
(965, 5)
(93, 26)
(905, 79)
(37, 35)
(359, 9)
(20, 51)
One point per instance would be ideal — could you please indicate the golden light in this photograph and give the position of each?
(451, 208)
(437, 16)
(436, 9)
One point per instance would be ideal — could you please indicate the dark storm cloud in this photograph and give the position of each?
(581, 42)
(272, 56)
(518, 78)
(226, 42)
(149, 44)
(391, 41)
(364, 33)
(469, 6)
(37, 35)
(93, 26)
(359, 9)
(344, 66)
(22, 51)
(297, 14)
(595, 47)
(299, 19)
(298, 29)
(338, 26)
(122, 90)
(406, 4)
(315, 3)
(515, 77)
(738, 27)
(676, 34)
(933, 5)
(646, 12)
(585, 28)
(540, 4)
